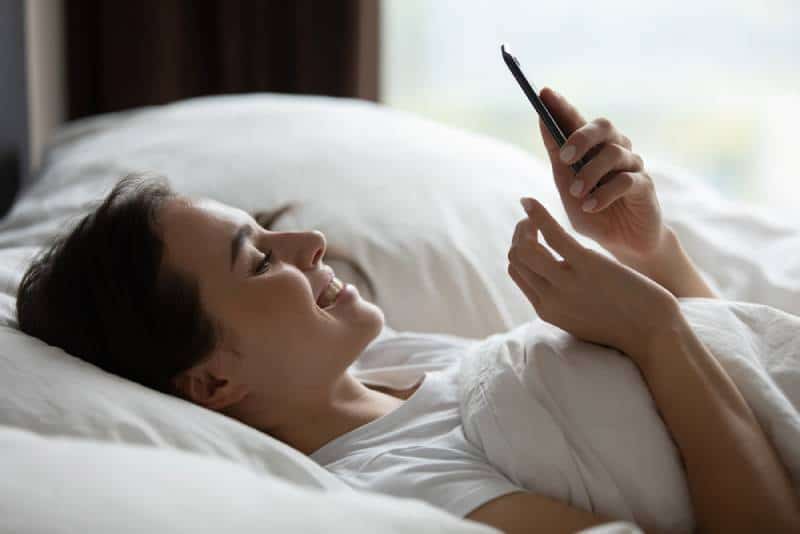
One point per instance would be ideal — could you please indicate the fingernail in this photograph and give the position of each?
(526, 203)
(577, 187)
(589, 204)
(567, 152)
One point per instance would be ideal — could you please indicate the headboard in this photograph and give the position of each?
(14, 147)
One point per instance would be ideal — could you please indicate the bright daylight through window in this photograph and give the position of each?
(710, 85)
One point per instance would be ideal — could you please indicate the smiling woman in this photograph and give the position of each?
(216, 308)
(274, 340)
(141, 319)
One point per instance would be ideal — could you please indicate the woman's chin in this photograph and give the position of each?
(350, 305)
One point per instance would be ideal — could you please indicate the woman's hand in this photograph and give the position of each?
(622, 214)
(587, 294)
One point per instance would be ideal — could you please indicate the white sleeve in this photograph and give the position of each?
(457, 481)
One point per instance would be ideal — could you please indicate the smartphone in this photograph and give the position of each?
(532, 94)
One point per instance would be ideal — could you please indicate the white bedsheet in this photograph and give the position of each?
(575, 420)
(70, 486)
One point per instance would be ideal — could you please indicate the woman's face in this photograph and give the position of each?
(276, 340)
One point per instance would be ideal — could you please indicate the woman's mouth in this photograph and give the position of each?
(330, 293)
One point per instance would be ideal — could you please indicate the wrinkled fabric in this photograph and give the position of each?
(575, 421)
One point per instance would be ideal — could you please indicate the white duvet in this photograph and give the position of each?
(575, 420)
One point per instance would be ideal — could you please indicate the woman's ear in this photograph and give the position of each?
(210, 388)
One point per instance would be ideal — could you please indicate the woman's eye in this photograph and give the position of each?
(262, 266)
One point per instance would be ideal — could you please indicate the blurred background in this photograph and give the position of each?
(709, 85)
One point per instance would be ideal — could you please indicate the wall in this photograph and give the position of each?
(46, 73)
(13, 101)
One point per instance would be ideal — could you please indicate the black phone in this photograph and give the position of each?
(532, 94)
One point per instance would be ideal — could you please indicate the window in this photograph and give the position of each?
(710, 85)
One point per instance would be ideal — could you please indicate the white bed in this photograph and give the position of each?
(427, 212)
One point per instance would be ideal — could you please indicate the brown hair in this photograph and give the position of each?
(101, 293)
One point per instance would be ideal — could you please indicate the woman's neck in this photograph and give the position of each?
(350, 406)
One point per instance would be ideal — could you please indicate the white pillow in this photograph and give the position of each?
(45, 390)
(60, 486)
(426, 210)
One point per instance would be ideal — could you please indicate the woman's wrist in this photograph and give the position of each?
(655, 264)
(671, 267)
(667, 326)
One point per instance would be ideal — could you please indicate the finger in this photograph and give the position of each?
(549, 143)
(529, 254)
(525, 286)
(589, 136)
(621, 184)
(610, 158)
(566, 115)
(535, 279)
(563, 174)
(556, 236)
(524, 226)
(525, 249)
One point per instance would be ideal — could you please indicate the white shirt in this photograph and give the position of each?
(419, 449)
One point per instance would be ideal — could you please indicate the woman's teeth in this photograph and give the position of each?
(331, 292)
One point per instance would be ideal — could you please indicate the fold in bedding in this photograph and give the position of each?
(575, 421)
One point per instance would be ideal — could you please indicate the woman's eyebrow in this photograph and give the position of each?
(236, 243)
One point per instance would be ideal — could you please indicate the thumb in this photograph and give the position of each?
(555, 234)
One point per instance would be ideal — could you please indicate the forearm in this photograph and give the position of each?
(672, 268)
(736, 480)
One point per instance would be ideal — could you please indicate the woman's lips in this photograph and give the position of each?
(330, 293)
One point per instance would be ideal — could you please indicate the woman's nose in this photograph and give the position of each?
(304, 249)
(318, 246)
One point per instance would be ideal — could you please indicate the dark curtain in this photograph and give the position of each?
(123, 54)
(14, 142)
